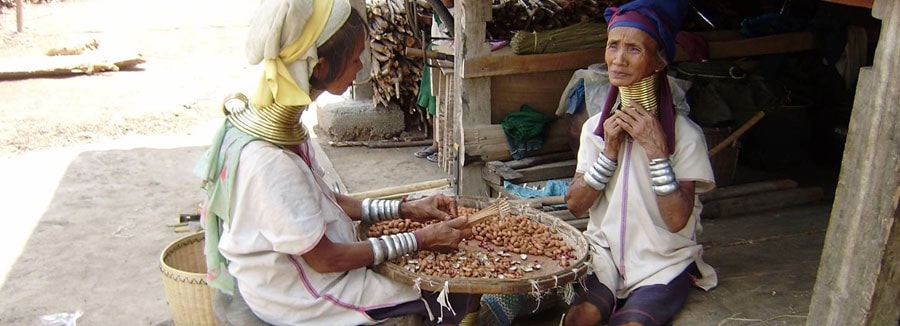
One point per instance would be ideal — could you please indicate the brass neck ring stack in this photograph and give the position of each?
(276, 123)
(644, 92)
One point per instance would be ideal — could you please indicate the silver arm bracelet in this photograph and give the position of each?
(604, 165)
(607, 162)
(377, 210)
(659, 172)
(413, 240)
(666, 188)
(377, 250)
(398, 244)
(602, 170)
(404, 245)
(663, 177)
(364, 213)
(593, 183)
(391, 249)
(409, 242)
(659, 163)
(599, 176)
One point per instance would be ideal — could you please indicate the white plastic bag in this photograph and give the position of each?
(61, 319)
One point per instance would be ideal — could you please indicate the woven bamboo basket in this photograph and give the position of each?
(546, 279)
(183, 267)
(724, 163)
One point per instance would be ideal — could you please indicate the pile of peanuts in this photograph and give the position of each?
(504, 245)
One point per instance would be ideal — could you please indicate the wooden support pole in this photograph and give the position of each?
(858, 281)
(401, 190)
(472, 95)
(381, 143)
(736, 134)
(19, 18)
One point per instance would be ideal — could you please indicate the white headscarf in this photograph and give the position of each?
(281, 37)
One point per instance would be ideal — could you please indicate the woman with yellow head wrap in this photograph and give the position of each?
(272, 225)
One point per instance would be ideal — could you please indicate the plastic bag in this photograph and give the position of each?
(61, 319)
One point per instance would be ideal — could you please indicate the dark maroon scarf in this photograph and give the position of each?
(666, 109)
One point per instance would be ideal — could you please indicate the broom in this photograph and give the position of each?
(499, 207)
(581, 36)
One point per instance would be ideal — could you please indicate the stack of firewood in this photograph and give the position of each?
(510, 16)
(395, 76)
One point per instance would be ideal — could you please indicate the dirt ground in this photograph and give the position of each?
(94, 167)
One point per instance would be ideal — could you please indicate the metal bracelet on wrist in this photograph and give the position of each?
(660, 163)
(662, 177)
(399, 244)
(364, 211)
(377, 210)
(607, 162)
(412, 240)
(600, 176)
(601, 169)
(377, 250)
(666, 189)
(593, 183)
(391, 247)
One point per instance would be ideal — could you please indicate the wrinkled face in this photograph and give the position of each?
(340, 84)
(630, 55)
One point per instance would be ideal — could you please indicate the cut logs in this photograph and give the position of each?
(67, 65)
(747, 189)
(764, 201)
(395, 75)
(71, 59)
(509, 16)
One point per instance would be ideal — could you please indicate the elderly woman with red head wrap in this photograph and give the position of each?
(640, 167)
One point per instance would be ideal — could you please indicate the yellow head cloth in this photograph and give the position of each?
(284, 37)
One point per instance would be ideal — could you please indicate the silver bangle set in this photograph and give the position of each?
(600, 173)
(389, 247)
(663, 177)
(377, 210)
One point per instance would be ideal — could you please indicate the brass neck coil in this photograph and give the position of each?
(643, 92)
(276, 123)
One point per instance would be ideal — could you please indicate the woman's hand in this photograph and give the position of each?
(613, 136)
(644, 127)
(436, 207)
(444, 236)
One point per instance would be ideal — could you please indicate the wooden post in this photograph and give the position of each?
(858, 281)
(472, 96)
(362, 89)
(19, 18)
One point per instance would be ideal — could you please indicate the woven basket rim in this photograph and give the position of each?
(188, 295)
(576, 270)
(175, 273)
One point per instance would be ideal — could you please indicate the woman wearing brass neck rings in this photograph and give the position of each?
(640, 167)
(272, 224)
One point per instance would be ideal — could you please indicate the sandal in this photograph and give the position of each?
(434, 157)
(425, 152)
